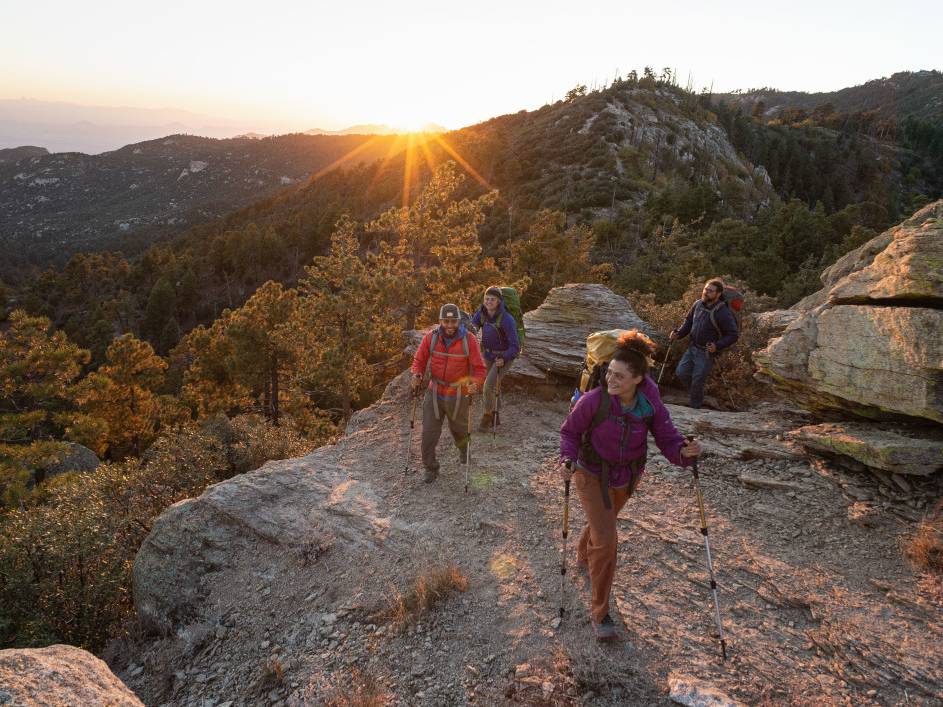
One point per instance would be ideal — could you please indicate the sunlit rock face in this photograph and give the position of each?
(557, 329)
(869, 343)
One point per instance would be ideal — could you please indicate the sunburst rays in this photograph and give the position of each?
(411, 146)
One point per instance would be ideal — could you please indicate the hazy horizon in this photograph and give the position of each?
(295, 66)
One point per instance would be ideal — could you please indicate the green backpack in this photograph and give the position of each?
(512, 303)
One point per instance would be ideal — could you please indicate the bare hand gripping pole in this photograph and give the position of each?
(710, 564)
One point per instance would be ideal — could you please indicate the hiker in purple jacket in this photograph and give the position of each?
(500, 346)
(603, 446)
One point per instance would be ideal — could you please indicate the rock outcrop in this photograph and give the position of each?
(286, 508)
(59, 676)
(557, 329)
(877, 447)
(869, 343)
(775, 321)
(75, 459)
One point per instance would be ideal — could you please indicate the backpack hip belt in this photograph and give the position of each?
(589, 454)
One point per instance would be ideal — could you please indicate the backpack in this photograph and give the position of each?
(512, 304)
(600, 348)
(733, 298)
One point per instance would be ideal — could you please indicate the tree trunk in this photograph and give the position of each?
(274, 384)
(345, 398)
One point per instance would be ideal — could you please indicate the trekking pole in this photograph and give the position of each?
(727, 387)
(566, 530)
(496, 418)
(412, 425)
(664, 362)
(710, 564)
(468, 443)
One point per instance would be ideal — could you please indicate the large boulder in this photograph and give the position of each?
(872, 346)
(557, 329)
(918, 452)
(60, 676)
(74, 458)
(284, 508)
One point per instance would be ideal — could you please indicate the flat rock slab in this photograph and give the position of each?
(686, 690)
(917, 452)
(737, 435)
(60, 676)
(557, 329)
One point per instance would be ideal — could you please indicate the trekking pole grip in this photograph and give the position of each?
(690, 438)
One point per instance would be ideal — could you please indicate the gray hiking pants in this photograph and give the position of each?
(495, 375)
(432, 426)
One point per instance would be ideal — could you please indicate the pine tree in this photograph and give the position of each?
(125, 394)
(433, 249)
(209, 382)
(37, 370)
(346, 319)
(552, 255)
(264, 344)
(161, 303)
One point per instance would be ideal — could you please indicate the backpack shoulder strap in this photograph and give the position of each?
(602, 412)
(713, 316)
(432, 343)
(465, 351)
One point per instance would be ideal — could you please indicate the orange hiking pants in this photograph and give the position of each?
(599, 539)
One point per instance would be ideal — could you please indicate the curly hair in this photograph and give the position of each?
(634, 350)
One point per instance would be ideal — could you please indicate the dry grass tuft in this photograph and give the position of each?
(429, 589)
(357, 690)
(926, 546)
(273, 674)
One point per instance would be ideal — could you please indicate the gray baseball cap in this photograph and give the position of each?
(450, 312)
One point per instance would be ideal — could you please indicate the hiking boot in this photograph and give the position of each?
(430, 475)
(487, 422)
(463, 455)
(605, 630)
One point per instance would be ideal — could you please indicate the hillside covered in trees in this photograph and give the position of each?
(258, 334)
(672, 186)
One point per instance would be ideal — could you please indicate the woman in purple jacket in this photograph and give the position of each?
(603, 445)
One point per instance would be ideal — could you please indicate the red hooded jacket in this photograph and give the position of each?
(449, 363)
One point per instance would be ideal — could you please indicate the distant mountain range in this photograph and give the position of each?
(620, 146)
(917, 93)
(69, 127)
(376, 129)
(54, 205)
(365, 129)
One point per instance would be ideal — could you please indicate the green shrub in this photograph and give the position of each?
(65, 562)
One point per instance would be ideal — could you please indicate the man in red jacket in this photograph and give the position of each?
(449, 356)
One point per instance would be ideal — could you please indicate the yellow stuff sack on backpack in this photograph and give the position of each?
(600, 348)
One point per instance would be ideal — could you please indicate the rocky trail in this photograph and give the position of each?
(280, 592)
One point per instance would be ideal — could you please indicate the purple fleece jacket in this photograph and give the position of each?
(621, 436)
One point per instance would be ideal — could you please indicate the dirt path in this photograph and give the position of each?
(817, 608)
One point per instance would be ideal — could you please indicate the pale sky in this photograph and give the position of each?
(287, 65)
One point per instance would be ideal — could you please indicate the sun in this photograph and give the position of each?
(411, 126)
